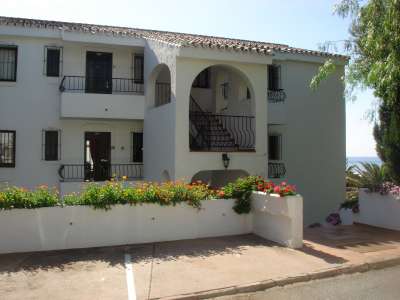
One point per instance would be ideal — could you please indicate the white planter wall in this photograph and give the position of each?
(379, 210)
(55, 228)
(279, 219)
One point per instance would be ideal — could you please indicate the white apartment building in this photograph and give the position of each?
(81, 102)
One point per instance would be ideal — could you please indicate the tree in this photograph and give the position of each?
(374, 50)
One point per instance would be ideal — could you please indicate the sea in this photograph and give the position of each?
(357, 160)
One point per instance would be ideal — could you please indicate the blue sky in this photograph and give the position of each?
(300, 23)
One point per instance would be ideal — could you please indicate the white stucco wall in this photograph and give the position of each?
(314, 143)
(104, 106)
(33, 103)
(379, 210)
(51, 228)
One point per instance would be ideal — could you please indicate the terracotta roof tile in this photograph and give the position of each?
(173, 38)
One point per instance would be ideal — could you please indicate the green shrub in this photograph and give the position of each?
(15, 197)
(371, 176)
(167, 193)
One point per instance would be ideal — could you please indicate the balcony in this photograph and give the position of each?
(276, 96)
(276, 106)
(88, 172)
(107, 98)
(276, 170)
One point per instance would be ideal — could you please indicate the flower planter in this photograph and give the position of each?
(346, 216)
(279, 219)
(379, 210)
(52, 228)
(69, 227)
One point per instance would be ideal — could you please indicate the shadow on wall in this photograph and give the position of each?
(218, 178)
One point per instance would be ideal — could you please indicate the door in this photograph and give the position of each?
(97, 156)
(98, 72)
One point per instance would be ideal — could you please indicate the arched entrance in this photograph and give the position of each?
(221, 111)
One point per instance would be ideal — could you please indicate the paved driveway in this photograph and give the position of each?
(182, 267)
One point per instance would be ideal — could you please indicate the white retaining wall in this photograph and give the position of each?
(82, 227)
(379, 210)
(278, 219)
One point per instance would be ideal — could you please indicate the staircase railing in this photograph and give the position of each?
(219, 131)
(197, 131)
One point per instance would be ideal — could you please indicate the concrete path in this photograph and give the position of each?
(194, 268)
(373, 285)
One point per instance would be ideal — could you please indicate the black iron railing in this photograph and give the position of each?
(162, 93)
(219, 132)
(275, 96)
(276, 170)
(101, 85)
(88, 172)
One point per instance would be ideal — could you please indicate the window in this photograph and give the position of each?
(275, 147)
(274, 77)
(51, 145)
(52, 61)
(202, 80)
(8, 63)
(137, 147)
(7, 148)
(138, 68)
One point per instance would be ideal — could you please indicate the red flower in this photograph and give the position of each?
(277, 190)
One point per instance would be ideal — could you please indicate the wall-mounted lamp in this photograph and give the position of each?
(225, 160)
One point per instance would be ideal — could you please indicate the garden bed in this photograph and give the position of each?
(116, 214)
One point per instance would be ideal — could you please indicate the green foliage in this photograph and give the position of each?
(14, 197)
(324, 71)
(352, 178)
(387, 136)
(374, 48)
(371, 176)
(241, 190)
(104, 196)
(168, 193)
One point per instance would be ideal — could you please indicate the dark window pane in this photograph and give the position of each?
(8, 63)
(138, 68)
(273, 77)
(7, 148)
(51, 145)
(274, 147)
(202, 80)
(137, 146)
(53, 62)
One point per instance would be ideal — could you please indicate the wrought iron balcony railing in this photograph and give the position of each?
(275, 96)
(88, 172)
(276, 170)
(101, 85)
(219, 132)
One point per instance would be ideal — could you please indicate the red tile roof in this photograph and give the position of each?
(174, 38)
